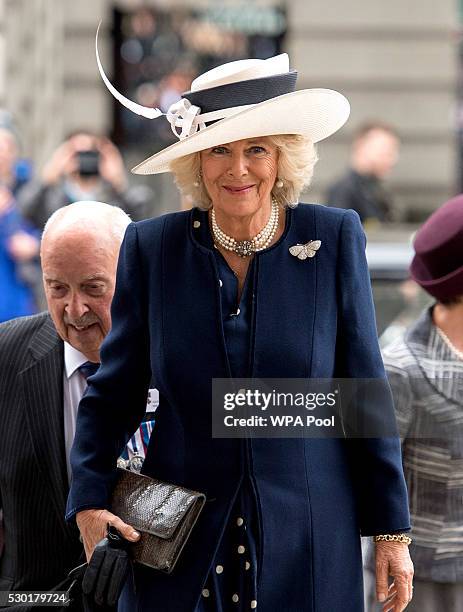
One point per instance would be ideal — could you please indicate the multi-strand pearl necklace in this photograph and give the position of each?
(245, 248)
(448, 342)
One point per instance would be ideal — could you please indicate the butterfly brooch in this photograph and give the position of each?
(303, 251)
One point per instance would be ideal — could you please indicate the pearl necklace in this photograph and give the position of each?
(447, 341)
(245, 248)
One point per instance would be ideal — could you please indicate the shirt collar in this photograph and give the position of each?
(73, 359)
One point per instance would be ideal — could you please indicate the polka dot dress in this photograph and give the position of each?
(232, 582)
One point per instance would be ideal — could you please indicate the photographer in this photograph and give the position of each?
(84, 167)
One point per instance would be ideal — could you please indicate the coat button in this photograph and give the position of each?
(196, 224)
(206, 593)
(235, 598)
(239, 521)
(253, 604)
(241, 549)
(220, 283)
(219, 569)
(247, 566)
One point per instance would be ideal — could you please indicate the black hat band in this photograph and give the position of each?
(242, 93)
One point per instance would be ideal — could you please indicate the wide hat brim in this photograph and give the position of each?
(315, 113)
(444, 288)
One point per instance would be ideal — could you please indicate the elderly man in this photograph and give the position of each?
(44, 362)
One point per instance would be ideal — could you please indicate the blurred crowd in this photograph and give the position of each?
(19, 239)
(86, 166)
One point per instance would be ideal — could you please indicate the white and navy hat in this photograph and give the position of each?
(242, 99)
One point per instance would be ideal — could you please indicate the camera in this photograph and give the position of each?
(88, 163)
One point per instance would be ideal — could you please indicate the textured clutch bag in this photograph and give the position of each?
(163, 513)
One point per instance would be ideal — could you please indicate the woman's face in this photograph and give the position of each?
(239, 176)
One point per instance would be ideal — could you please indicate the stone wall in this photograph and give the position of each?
(395, 61)
(32, 72)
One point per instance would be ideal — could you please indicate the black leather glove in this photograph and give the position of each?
(107, 569)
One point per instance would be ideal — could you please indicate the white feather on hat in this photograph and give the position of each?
(239, 100)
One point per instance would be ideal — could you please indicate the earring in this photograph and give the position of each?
(279, 184)
(197, 182)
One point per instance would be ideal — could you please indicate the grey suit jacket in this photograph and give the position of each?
(40, 547)
(427, 383)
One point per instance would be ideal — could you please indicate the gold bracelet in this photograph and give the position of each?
(395, 537)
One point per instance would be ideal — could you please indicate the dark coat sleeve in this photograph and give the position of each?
(376, 461)
(115, 401)
(340, 194)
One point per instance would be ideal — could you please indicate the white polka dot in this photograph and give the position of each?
(219, 569)
(253, 604)
(235, 598)
(247, 566)
(241, 549)
(196, 224)
(206, 593)
(239, 521)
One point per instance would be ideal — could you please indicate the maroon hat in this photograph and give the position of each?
(438, 262)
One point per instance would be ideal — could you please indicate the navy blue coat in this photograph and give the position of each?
(312, 318)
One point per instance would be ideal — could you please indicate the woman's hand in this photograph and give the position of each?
(393, 559)
(93, 527)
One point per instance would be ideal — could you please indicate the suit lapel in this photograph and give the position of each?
(42, 384)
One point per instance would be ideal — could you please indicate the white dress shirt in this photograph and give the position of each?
(74, 385)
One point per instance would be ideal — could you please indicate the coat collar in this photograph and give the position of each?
(439, 365)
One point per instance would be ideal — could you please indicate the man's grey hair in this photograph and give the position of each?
(94, 215)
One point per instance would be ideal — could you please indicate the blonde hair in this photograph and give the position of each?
(296, 161)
